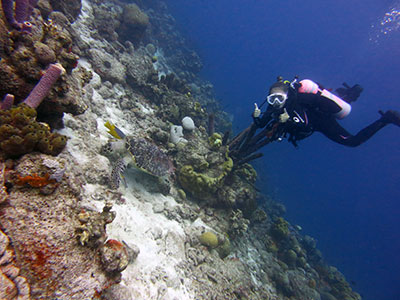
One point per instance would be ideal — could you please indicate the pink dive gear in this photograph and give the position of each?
(310, 87)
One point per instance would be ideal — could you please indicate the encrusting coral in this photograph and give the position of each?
(201, 185)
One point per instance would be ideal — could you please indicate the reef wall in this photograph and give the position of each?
(116, 180)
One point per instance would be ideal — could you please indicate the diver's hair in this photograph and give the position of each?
(279, 86)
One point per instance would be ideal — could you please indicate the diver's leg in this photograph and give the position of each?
(338, 134)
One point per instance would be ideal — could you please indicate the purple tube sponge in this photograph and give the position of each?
(32, 5)
(7, 102)
(8, 9)
(42, 88)
(21, 10)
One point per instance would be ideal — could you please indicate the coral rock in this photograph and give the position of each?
(114, 256)
(44, 54)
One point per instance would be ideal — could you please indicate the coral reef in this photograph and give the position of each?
(70, 8)
(133, 24)
(25, 59)
(55, 211)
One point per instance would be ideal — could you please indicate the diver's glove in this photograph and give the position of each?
(283, 117)
(349, 94)
(257, 111)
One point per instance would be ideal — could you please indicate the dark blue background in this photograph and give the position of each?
(347, 198)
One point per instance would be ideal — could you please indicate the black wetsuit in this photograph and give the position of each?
(309, 113)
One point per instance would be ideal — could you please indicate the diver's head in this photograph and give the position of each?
(278, 94)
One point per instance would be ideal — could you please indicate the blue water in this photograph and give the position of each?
(347, 198)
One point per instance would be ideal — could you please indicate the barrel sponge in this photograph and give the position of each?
(20, 133)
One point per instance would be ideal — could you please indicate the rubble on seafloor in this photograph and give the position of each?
(194, 232)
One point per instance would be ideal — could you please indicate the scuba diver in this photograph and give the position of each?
(296, 110)
(305, 107)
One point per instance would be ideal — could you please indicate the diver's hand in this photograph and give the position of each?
(283, 117)
(257, 111)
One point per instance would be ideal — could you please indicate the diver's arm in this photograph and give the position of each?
(260, 120)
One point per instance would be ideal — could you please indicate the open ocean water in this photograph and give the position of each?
(347, 198)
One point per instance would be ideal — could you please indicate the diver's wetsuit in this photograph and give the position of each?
(309, 113)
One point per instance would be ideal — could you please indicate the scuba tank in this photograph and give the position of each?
(310, 87)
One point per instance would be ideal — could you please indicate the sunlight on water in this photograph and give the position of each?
(387, 25)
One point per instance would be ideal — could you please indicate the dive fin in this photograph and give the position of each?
(391, 116)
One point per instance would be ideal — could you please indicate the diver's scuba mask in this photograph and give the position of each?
(277, 100)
